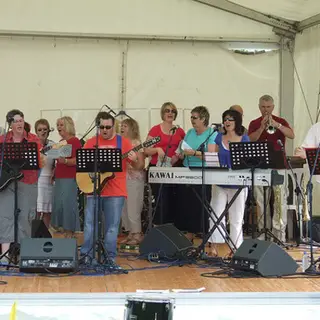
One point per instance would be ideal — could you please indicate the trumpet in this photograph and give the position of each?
(270, 128)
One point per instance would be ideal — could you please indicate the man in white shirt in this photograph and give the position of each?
(312, 140)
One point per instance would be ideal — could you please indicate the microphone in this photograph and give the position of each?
(279, 142)
(174, 128)
(110, 110)
(216, 126)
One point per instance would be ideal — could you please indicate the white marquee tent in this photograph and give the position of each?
(69, 57)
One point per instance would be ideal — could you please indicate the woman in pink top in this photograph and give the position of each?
(164, 154)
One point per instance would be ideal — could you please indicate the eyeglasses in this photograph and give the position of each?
(229, 119)
(170, 111)
(105, 127)
(18, 120)
(194, 118)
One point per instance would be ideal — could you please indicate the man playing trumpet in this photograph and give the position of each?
(271, 128)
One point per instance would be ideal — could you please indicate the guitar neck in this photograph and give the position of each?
(135, 149)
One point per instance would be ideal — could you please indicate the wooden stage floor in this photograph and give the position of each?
(166, 278)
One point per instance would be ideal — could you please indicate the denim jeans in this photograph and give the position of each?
(112, 211)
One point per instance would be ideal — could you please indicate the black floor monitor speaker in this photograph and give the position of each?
(39, 230)
(48, 255)
(165, 241)
(264, 258)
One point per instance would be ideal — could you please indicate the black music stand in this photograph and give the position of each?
(95, 161)
(314, 167)
(17, 157)
(254, 155)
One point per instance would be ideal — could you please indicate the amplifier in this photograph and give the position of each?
(48, 255)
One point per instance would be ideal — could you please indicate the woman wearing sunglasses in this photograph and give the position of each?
(221, 195)
(189, 216)
(164, 154)
(45, 187)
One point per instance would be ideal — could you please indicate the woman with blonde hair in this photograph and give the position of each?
(131, 216)
(164, 154)
(44, 201)
(65, 211)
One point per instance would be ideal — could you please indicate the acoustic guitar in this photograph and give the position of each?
(8, 175)
(85, 180)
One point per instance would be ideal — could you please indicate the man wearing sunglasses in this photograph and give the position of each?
(114, 192)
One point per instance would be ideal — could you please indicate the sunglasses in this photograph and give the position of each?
(105, 127)
(170, 111)
(229, 119)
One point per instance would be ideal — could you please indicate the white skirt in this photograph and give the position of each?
(44, 202)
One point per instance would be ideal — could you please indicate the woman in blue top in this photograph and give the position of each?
(233, 132)
(189, 212)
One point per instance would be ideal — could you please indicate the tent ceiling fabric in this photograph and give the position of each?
(296, 10)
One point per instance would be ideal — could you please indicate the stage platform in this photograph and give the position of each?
(103, 297)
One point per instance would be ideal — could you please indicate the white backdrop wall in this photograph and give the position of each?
(49, 78)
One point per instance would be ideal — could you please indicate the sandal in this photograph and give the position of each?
(135, 239)
(126, 239)
(229, 255)
(213, 252)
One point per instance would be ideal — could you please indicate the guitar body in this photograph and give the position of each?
(85, 181)
(8, 177)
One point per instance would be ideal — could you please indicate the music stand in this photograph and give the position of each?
(107, 160)
(314, 167)
(254, 155)
(17, 157)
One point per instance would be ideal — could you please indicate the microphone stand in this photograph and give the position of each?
(287, 161)
(201, 148)
(173, 130)
(312, 267)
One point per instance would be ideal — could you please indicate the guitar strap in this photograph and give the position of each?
(119, 142)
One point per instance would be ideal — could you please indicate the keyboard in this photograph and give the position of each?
(185, 175)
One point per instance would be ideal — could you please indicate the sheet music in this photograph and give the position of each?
(212, 159)
(63, 152)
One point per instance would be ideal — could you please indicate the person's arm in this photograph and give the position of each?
(136, 160)
(254, 134)
(284, 128)
(149, 152)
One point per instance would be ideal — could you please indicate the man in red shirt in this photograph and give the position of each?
(27, 187)
(258, 132)
(114, 193)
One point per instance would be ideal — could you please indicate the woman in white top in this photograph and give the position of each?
(44, 202)
(131, 216)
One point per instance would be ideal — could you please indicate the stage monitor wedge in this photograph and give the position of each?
(165, 241)
(264, 258)
(48, 255)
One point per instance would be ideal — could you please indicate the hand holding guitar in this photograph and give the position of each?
(133, 156)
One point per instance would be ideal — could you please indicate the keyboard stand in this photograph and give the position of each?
(216, 223)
